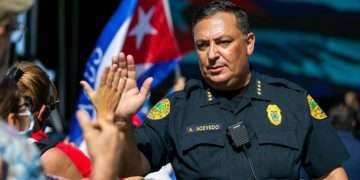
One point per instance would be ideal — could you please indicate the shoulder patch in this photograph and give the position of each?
(160, 110)
(315, 110)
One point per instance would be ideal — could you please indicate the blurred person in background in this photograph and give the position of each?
(59, 159)
(14, 108)
(9, 9)
(2, 169)
(346, 120)
(21, 160)
(351, 99)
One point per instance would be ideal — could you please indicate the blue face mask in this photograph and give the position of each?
(31, 122)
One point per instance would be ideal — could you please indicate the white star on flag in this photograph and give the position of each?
(143, 27)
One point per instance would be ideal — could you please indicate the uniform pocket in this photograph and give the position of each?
(279, 153)
(204, 152)
(286, 139)
(192, 141)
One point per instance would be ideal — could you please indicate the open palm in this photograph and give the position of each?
(132, 97)
(106, 97)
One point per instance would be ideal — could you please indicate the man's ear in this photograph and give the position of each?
(250, 43)
(44, 113)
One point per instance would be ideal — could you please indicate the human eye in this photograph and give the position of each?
(224, 42)
(201, 45)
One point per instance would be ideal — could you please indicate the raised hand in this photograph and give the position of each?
(106, 97)
(133, 97)
(104, 145)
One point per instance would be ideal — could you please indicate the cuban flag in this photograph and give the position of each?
(141, 28)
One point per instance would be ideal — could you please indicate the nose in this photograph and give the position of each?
(212, 53)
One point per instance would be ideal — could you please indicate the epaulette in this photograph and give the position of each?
(192, 85)
(280, 82)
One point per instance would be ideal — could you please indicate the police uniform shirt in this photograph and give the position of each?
(286, 128)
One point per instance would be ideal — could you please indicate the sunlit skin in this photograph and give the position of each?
(23, 120)
(223, 51)
(19, 122)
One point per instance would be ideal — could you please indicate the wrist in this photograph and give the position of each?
(109, 117)
(101, 169)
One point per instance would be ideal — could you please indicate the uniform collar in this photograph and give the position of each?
(257, 89)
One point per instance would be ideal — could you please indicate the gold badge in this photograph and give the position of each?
(274, 114)
(160, 110)
(315, 110)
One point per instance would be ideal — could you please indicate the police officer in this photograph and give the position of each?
(233, 124)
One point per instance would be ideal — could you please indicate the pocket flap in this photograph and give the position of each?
(282, 138)
(211, 139)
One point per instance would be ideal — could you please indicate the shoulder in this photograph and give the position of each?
(277, 82)
(56, 162)
(192, 89)
(17, 152)
(175, 101)
(284, 92)
(16, 148)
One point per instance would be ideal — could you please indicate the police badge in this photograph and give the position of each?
(274, 114)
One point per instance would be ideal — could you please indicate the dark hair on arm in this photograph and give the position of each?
(223, 6)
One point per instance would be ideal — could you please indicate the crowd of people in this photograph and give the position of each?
(234, 123)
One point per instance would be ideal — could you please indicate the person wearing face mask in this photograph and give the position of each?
(21, 160)
(14, 108)
(58, 158)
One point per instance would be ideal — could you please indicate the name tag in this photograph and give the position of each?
(204, 127)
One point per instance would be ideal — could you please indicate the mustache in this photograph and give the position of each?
(210, 66)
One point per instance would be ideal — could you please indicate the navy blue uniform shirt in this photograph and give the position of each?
(286, 128)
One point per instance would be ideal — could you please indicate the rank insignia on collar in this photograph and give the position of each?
(315, 110)
(160, 110)
(274, 114)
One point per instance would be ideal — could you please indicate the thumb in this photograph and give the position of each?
(87, 88)
(84, 120)
(145, 88)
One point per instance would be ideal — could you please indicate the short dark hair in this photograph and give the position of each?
(9, 97)
(223, 6)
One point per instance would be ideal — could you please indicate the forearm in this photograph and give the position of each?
(336, 174)
(134, 163)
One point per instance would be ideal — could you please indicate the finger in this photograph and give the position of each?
(179, 84)
(104, 76)
(84, 120)
(116, 80)
(110, 77)
(87, 88)
(115, 65)
(145, 88)
(121, 85)
(123, 73)
(115, 60)
(131, 67)
(123, 63)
